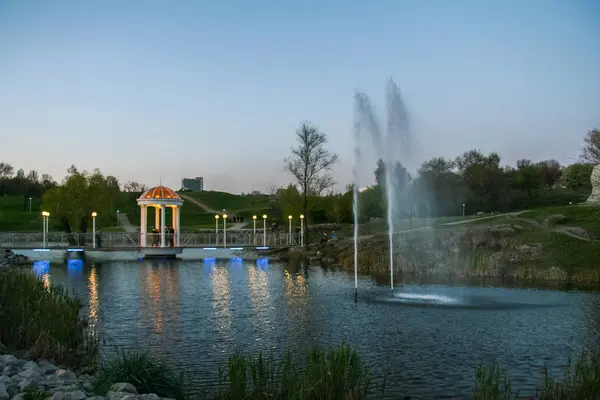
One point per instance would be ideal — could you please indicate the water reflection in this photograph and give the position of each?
(221, 303)
(42, 271)
(93, 300)
(259, 296)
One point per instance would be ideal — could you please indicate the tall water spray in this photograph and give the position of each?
(394, 147)
(357, 160)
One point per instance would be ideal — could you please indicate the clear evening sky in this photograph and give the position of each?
(151, 89)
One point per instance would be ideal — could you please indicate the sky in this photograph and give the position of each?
(154, 91)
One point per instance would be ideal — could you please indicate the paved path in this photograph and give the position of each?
(198, 203)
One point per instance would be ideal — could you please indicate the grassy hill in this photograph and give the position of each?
(15, 215)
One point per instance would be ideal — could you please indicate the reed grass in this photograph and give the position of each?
(45, 321)
(581, 381)
(336, 374)
(145, 373)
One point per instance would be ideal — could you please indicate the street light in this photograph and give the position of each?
(30, 204)
(45, 215)
(264, 230)
(290, 229)
(302, 231)
(217, 229)
(463, 209)
(94, 214)
(118, 222)
(224, 230)
(254, 231)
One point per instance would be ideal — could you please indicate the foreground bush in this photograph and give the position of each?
(581, 381)
(337, 374)
(44, 321)
(147, 375)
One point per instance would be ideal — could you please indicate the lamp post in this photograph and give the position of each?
(45, 215)
(118, 223)
(224, 230)
(94, 214)
(217, 229)
(463, 209)
(30, 204)
(289, 229)
(254, 231)
(302, 231)
(265, 230)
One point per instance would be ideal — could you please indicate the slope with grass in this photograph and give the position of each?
(557, 243)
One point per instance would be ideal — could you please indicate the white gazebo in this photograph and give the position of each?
(160, 198)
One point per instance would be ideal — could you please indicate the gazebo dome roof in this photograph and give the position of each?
(159, 193)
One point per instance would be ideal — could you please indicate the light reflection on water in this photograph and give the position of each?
(195, 313)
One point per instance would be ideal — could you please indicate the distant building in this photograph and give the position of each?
(193, 184)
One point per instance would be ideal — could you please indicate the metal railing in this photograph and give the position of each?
(114, 240)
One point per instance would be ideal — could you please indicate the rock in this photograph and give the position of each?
(20, 396)
(58, 396)
(27, 384)
(150, 396)
(96, 398)
(47, 367)
(555, 219)
(595, 181)
(76, 395)
(120, 396)
(65, 375)
(3, 392)
(8, 359)
(123, 387)
(10, 370)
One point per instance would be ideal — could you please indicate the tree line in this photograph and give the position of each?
(470, 183)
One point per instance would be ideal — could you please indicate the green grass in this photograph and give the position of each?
(228, 201)
(584, 216)
(44, 320)
(14, 218)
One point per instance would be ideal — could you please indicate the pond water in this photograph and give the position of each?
(429, 336)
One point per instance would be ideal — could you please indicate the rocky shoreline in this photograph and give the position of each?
(10, 259)
(26, 379)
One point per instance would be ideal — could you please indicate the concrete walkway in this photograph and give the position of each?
(198, 203)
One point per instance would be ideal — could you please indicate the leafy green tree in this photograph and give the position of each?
(550, 171)
(591, 148)
(78, 196)
(438, 190)
(528, 177)
(577, 176)
(483, 179)
(310, 164)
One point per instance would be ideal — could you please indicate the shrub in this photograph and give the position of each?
(45, 321)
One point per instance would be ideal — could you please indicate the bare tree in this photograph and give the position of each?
(134, 187)
(591, 148)
(311, 163)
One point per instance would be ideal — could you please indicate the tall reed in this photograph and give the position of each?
(337, 374)
(44, 321)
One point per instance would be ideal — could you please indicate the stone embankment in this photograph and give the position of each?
(9, 259)
(22, 379)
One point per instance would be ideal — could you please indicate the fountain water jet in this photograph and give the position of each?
(396, 145)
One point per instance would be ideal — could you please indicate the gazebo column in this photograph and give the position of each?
(178, 231)
(143, 225)
(163, 242)
(157, 218)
